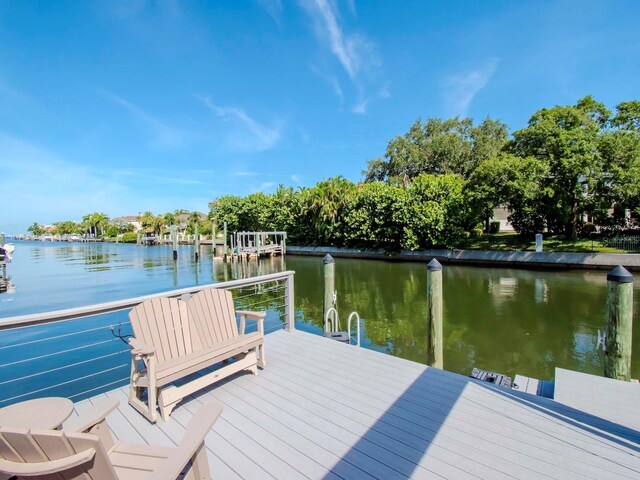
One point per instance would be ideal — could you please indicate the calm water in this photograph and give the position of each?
(510, 321)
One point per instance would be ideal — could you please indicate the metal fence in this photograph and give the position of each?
(80, 352)
(628, 243)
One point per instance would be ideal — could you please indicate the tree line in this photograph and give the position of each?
(99, 224)
(572, 170)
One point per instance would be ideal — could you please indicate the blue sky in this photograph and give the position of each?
(127, 106)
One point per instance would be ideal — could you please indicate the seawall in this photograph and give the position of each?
(543, 260)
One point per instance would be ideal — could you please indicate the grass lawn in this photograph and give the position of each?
(513, 242)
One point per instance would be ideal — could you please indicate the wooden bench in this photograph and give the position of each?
(177, 338)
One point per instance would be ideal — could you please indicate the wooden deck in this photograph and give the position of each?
(606, 398)
(322, 409)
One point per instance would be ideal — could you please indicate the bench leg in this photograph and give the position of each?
(139, 382)
(167, 401)
(262, 361)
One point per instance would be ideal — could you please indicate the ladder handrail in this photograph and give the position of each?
(351, 315)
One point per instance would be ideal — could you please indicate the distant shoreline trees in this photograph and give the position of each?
(438, 184)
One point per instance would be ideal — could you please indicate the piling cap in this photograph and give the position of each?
(328, 259)
(434, 266)
(620, 274)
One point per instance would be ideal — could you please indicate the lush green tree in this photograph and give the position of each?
(438, 147)
(94, 221)
(36, 229)
(376, 216)
(67, 227)
(620, 150)
(438, 212)
(516, 183)
(151, 223)
(566, 138)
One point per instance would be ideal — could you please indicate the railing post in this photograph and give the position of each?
(434, 314)
(618, 324)
(290, 311)
(329, 285)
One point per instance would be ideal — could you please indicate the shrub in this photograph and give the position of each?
(129, 237)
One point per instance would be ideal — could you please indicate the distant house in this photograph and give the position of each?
(131, 220)
(183, 219)
(501, 214)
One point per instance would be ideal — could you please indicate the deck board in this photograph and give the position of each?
(321, 409)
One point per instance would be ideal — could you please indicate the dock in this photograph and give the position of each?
(251, 245)
(606, 398)
(322, 409)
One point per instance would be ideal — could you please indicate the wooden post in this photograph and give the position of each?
(213, 239)
(329, 285)
(225, 242)
(618, 324)
(290, 314)
(434, 314)
(197, 243)
(138, 239)
(256, 240)
(4, 263)
(174, 238)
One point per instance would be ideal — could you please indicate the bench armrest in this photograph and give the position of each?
(248, 315)
(252, 315)
(192, 443)
(139, 348)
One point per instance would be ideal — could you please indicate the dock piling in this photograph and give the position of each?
(224, 255)
(434, 314)
(329, 284)
(174, 239)
(618, 324)
(196, 240)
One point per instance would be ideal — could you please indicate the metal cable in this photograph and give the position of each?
(57, 336)
(62, 383)
(122, 381)
(58, 353)
(64, 366)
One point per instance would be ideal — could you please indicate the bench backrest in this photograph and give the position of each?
(214, 315)
(177, 328)
(54, 454)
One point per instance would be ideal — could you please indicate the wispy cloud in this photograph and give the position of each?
(461, 89)
(244, 174)
(163, 134)
(354, 52)
(332, 80)
(296, 178)
(274, 9)
(360, 107)
(253, 136)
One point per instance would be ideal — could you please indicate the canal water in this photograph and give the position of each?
(506, 320)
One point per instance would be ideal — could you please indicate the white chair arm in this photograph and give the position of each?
(196, 431)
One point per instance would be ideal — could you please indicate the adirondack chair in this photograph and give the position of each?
(174, 339)
(64, 455)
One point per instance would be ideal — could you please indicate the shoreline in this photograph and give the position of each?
(542, 260)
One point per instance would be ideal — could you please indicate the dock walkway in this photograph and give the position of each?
(321, 409)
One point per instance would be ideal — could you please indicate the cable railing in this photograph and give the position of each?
(76, 353)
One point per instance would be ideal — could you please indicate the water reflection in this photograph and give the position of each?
(505, 320)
